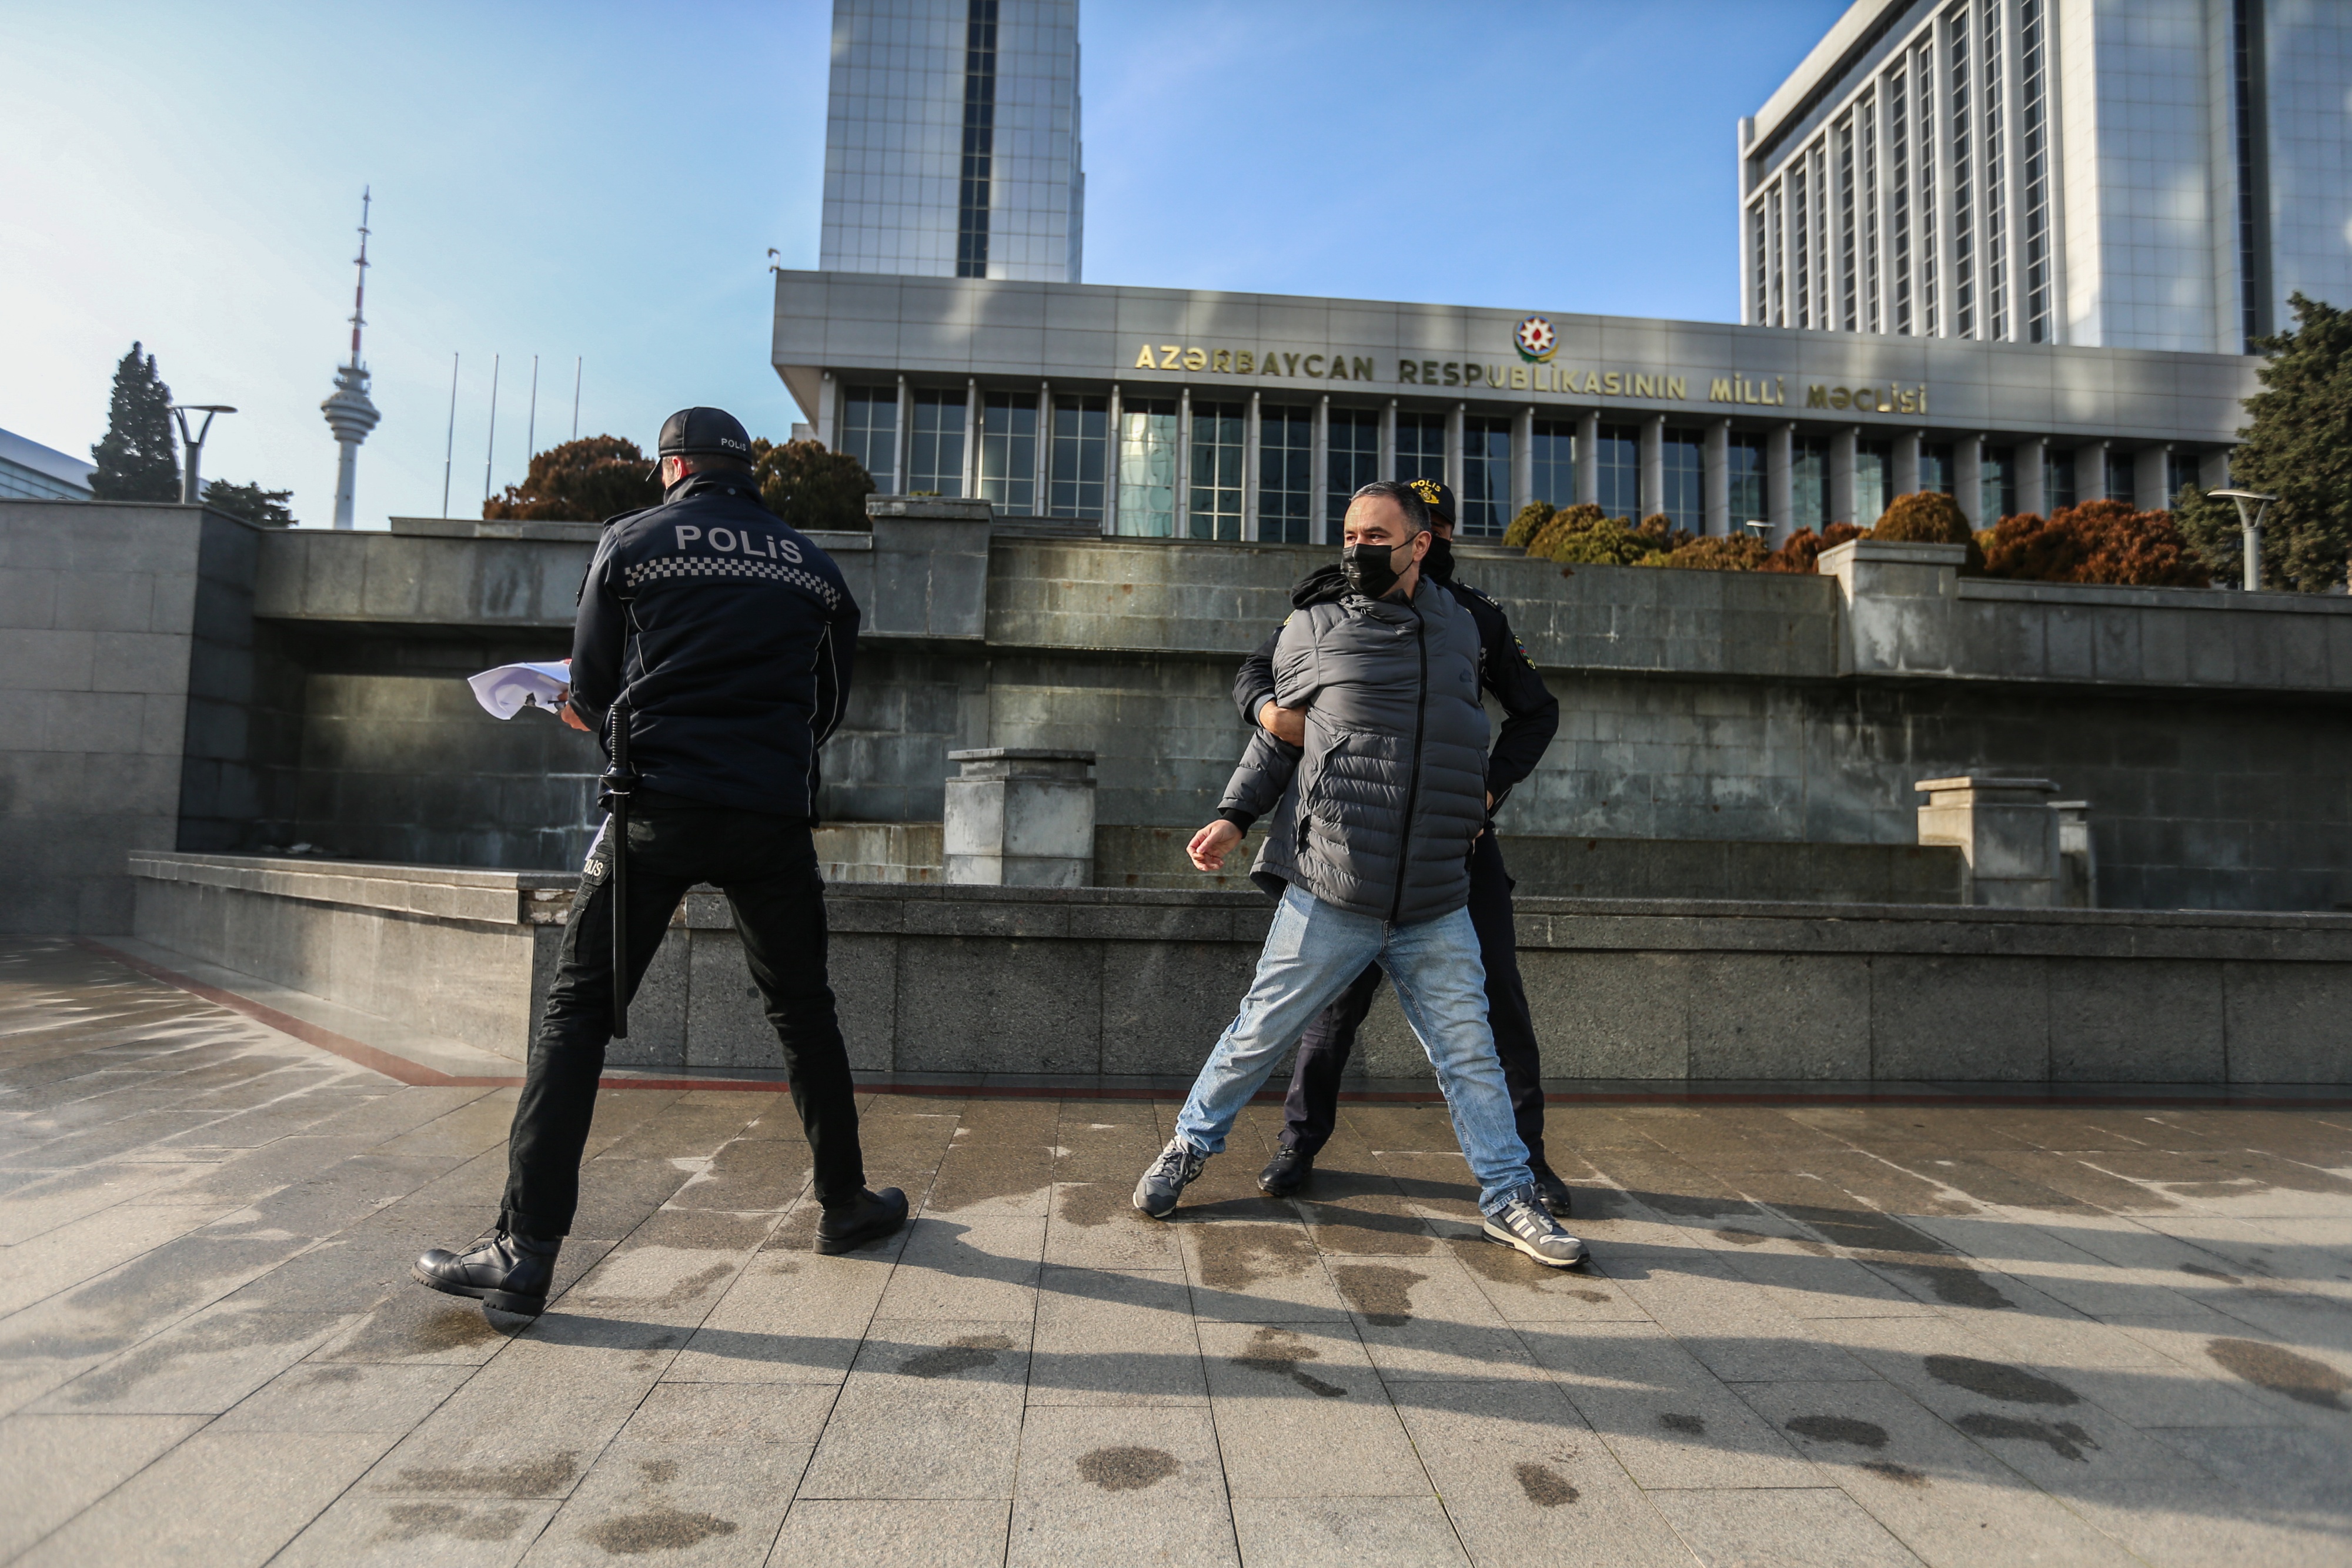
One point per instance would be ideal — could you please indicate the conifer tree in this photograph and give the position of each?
(137, 462)
(2298, 449)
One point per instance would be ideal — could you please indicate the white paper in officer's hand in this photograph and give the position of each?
(510, 688)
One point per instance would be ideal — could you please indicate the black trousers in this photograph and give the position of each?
(767, 866)
(1313, 1105)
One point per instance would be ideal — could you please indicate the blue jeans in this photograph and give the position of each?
(1311, 954)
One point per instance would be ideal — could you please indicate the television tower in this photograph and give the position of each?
(349, 414)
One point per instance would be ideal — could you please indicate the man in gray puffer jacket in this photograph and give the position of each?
(1369, 852)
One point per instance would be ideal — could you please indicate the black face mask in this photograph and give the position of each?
(1439, 562)
(1370, 569)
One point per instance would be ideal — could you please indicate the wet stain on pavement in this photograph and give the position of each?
(1840, 1429)
(1953, 1284)
(1688, 1426)
(1994, 1380)
(2065, 1439)
(1741, 1237)
(1091, 1203)
(1901, 1474)
(415, 1520)
(1383, 1293)
(658, 1470)
(1277, 1352)
(525, 1478)
(1127, 1468)
(2281, 1371)
(2202, 1272)
(966, 1354)
(658, 1529)
(1235, 1257)
(1545, 1486)
(1864, 1229)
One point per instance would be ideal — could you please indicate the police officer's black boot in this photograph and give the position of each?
(503, 1269)
(854, 1221)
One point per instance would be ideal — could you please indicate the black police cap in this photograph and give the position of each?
(704, 430)
(1438, 497)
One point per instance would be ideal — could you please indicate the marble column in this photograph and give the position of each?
(1903, 462)
(1715, 467)
(1968, 479)
(1780, 460)
(1652, 495)
(2030, 459)
(1838, 506)
(1588, 458)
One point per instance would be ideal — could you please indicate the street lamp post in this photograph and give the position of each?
(1757, 529)
(2251, 505)
(190, 486)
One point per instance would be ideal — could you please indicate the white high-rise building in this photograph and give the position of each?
(952, 144)
(2119, 174)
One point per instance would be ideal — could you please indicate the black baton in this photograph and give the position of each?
(618, 781)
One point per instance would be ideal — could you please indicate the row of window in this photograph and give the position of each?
(1083, 464)
(1949, 187)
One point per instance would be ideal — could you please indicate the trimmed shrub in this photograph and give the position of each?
(1925, 517)
(1801, 552)
(1738, 552)
(2098, 542)
(1527, 524)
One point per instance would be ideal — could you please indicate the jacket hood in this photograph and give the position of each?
(1321, 586)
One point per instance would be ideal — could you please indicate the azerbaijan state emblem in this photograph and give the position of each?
(1537, 342)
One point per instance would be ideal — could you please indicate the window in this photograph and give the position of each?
(1898, 189)
(1963, 192)
(1808, 482)
(1865, 115)
(935, 463)
(1286, 473)
(869, 432)
(2033, 105)
(1744, 462)
(1081, 432)
(1936, 466)
(2122, 483)
(1008, 452)
(1486, 496)
(2057, 479)
(2247, 68)
(1684, 477)
(1801, 233)
(1217, 448)
(1761, 315)
(1420, 447)
(1554, 451)
(1352, 462)
(1997, 485)
(1619, 463)
(973, 200)
(1847, 317)
(2179, 471)
(1773, 252)
(1870, 464)
(1996, 179)
(1147, 468)
(1923, 170)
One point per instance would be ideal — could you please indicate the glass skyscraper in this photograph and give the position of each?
(952, 141)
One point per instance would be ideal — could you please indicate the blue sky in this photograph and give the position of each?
(586, 180)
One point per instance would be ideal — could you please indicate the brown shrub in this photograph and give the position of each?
(1925, 517)
(2098, 542)
(1717, 552)
(1801, 552)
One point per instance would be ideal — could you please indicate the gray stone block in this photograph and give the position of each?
(2121, 1021)
(1769, 1015)
(1611, 1014)
(1974, 1018)
(1166, 1003)
(2288, 1023)
(1015, 1006)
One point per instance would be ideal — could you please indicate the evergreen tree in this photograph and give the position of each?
(810, 486)
(581, 481)
(137, 462)
(251, 502)
(2298, 449)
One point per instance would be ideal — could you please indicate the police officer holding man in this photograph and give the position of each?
(724, 640)
(1531, 715)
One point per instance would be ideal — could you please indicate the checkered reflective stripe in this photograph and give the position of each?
(646, 571)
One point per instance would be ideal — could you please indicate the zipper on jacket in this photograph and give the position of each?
(1412, 779)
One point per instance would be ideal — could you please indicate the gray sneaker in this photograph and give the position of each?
(1178, 1166)
(1523, 1223)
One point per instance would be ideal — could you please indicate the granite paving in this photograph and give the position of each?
(1811, 1332)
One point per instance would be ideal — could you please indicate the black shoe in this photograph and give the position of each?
(1286, 1172)
(503, 1270)
(868, 1216)
(1554, 1191)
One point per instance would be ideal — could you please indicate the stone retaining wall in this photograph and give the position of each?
(1139, 983)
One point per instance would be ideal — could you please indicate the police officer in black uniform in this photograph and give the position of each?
(1532, 715)
(731, 637)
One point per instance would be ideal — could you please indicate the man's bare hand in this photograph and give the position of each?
(1284, 723)
(1213, 843)
(563, 709)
